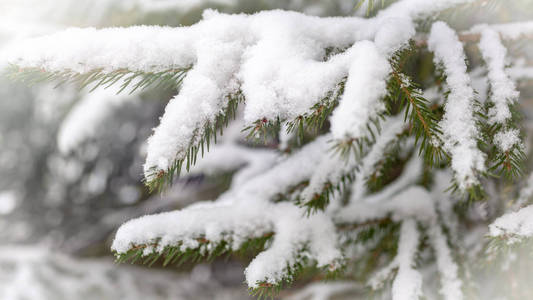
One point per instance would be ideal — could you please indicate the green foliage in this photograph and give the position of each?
(136, 80)
(388, 168)
(380, 239)
(262, 130)
(321, 200)
(473, 192)
(200, 143)
(391, 162)
(310, 122)
(206, 251)
(509, 164)
(365, 232)
(404, 94)
(314, 121)
(357, 146)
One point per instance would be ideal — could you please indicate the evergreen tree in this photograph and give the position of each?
(373, 149)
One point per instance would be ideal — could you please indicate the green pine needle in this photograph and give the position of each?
(134, 80)
(206, 251)
(200, 144)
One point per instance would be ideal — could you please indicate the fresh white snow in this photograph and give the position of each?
(514, 225)
(503, 90)
(407, 284)
(458, 125)
(276, 58)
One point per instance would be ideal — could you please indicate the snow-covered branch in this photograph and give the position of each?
(324, 86)
(207, 227)
(408, 282)
(514, 226)
(264, 56)
(460, 133)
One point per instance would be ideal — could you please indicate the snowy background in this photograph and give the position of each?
(71, 163)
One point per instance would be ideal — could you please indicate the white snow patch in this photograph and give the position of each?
(505, 140)
(361, 101)
(503, 89)
(8, 201)
(407, 284)
(519, 223)
(458, 125)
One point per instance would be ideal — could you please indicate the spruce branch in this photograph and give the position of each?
(134, 80)
(504, 244)
(311, 122)
(509, 163)
(314, 121)
(402, 94)
(356, 146)
(397, 194)
(266, 290)
(418, 111)
(262, 130)
(179, 254)
(200, 144)
(208, 251)
(321, 200)
(384, 146)
(379, 238)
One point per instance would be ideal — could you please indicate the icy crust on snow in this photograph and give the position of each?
(365, 87)
(275, 58)
(459, 131)
(514, 225)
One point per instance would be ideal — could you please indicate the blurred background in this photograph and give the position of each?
(71, 161)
